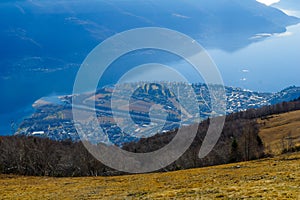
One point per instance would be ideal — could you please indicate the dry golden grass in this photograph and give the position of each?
(274, 178)
(275, 131)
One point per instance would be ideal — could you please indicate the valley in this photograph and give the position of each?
(125, 116)
(267, 178)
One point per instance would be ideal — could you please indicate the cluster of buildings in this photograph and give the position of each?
(138, 110)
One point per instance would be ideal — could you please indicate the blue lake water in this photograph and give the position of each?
(270, 64)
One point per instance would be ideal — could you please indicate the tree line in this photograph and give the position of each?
(239, 141)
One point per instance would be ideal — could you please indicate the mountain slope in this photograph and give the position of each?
(280, 132)
(272, 178)
(246, 135)
(48, 40)
(288, 5)
(33, 26)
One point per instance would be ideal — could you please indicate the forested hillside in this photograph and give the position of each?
(240, 141)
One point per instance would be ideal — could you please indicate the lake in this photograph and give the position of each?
(269, 64)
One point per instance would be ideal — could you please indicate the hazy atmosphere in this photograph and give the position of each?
(104, 89)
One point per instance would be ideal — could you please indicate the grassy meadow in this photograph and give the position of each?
(269, 178)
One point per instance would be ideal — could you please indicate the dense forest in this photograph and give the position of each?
(239, 141)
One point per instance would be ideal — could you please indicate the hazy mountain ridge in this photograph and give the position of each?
(51, 38)
(30, 22)
(288, 4)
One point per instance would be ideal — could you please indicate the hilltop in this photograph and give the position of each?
(271, 178)
(280, 132)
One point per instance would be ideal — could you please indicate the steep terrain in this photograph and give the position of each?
(46, 41)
